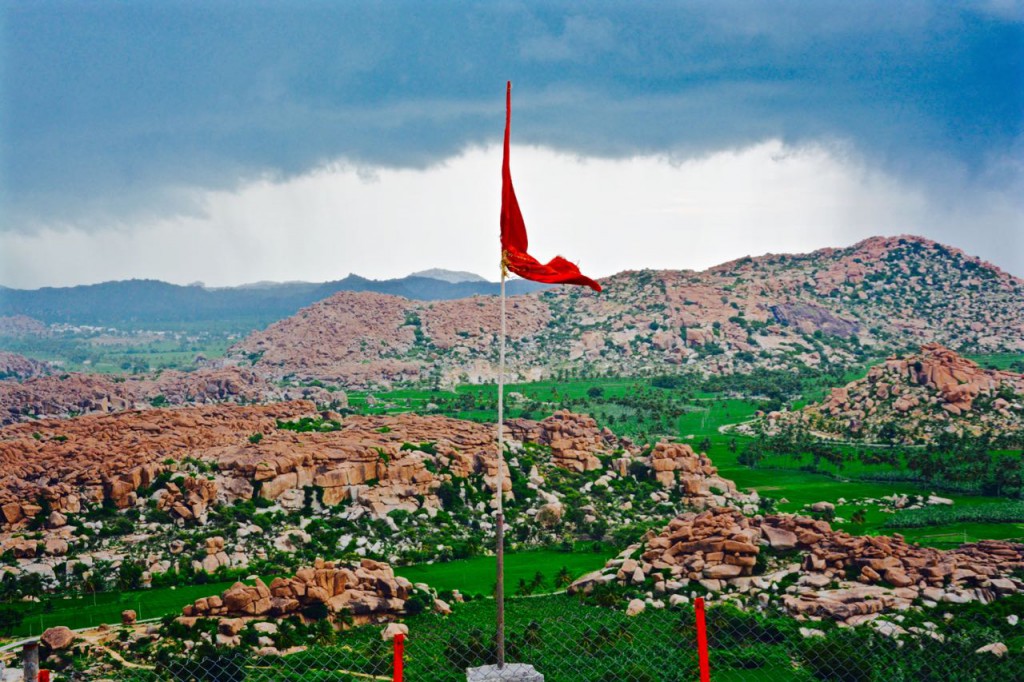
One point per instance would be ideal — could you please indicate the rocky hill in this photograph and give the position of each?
(21, 325)
(180, 496)
(833, 305)
(914, 397)
(14, 366)
(224, 487)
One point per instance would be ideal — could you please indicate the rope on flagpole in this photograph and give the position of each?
(499, 595)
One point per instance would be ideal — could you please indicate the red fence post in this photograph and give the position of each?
(399, 657)
(702, 641)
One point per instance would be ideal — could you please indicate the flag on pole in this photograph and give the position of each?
(514, 243)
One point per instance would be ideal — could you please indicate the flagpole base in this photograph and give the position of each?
(519, 672)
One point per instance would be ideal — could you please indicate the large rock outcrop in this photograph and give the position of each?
(367, 592)
(575, 439)
(110, 457)
(917, 396)
(840, 576)
(380, 463)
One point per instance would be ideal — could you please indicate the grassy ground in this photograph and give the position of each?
(798, 487)
(1011, 361)
(405, 400)
(477, 575)
(711, 414)
(119, 355)
(470, 576)
(106, 607)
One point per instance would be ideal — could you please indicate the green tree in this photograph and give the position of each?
(10, 619)
(129, 575)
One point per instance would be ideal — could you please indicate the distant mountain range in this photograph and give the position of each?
(152, 303)
(453, 276)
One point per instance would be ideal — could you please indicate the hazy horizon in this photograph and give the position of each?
(494, 280)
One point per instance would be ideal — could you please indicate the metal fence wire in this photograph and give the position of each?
(561, 638)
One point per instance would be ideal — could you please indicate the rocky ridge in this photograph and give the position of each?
(837, 575)
(376, 463)
(63, 464)
(771, 311)
(921, 395)
(72, 394)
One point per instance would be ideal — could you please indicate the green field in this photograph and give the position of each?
(1010, 361)
(477, 575)
(799, 487)
(119, 355)
(106, 607)
(474, 576)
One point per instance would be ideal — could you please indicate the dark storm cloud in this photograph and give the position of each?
(109, 109)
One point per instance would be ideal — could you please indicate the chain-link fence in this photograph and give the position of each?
(567, 639)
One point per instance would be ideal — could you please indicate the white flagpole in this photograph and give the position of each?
(499, 595)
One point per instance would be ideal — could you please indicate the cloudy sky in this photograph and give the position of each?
(232, 142)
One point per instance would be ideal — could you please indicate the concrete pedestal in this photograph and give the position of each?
(519, 672)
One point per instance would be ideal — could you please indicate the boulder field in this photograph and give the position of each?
(831, 574)
(367, 592)
(187, 459)
(923, 393)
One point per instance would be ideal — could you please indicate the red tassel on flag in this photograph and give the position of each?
(514, 243)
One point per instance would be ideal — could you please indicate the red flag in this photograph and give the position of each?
(514, 243)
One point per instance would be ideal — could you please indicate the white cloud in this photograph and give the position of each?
(607, 215)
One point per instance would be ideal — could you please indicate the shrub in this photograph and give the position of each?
(417, 603)
(316, 611)
(840, 657)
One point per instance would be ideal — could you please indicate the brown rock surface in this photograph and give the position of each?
(112, 457)
(721, 544)
(100, 457)
(65, 394)
(189, 498)
(575, 439)
(369, 591)
(676, 465)
(57, 638)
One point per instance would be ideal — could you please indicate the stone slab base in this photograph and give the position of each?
(519, 672)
